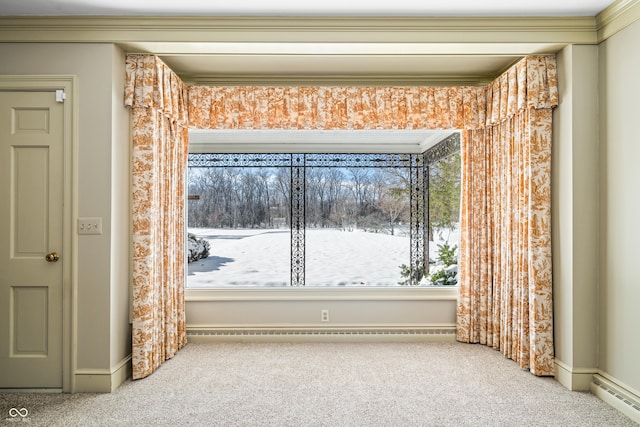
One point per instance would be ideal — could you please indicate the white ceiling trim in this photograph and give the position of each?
(378, 48)
(341, 63)
(314, 141)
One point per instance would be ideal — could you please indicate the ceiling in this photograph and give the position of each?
(301, 8)
(340, 63)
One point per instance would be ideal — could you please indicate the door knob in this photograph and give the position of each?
(52, 257)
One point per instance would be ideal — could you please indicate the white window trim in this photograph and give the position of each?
(431, 293)
(412, 142)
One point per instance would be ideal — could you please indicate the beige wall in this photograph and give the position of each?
(301, 308)
(120, 215)
(102, 261)
(619, 293)
(575, 216)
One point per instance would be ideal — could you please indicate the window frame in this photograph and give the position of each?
(312, 293)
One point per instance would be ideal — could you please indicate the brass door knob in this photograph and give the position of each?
(52, 257)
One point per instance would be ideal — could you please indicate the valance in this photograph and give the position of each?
(325, 108)
(150, 83)
(531, 83)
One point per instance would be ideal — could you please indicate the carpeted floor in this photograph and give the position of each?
(325, 384)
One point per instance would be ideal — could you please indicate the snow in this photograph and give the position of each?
(262, 258)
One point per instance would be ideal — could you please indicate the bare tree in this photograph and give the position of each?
(360, 185)
(393, 204)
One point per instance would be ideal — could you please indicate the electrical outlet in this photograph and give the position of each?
(324, 315)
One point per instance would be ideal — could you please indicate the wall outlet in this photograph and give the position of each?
(324, 315)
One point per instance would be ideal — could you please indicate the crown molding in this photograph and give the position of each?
(300, 29)
(590, 30)
(616, 17)
(132, 33)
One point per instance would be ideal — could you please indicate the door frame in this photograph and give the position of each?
(68, 83)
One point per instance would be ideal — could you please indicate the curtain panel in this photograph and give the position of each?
(505, 298)
(158, 100)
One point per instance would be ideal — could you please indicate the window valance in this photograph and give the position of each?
(150, 83)
(531, 83)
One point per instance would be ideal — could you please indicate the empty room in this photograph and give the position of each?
(330, 213)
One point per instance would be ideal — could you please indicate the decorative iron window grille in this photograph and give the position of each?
(417, 166)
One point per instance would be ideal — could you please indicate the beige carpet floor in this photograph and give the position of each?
(325, 384)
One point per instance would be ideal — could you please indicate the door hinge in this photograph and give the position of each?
(60, 95)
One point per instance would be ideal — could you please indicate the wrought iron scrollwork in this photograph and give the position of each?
(419, 241)
(362, 160)
(206, 160)
(442, 149)
(297, 222)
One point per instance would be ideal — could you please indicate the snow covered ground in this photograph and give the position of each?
(262, 258)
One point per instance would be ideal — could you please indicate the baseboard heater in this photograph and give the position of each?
(310, 334)
(616, 396)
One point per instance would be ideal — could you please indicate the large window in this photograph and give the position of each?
(345, 220)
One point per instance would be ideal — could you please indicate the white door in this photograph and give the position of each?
(31, 219)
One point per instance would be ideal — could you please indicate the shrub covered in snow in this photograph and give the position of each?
(198, 248)
(442, 272)
(445, 270)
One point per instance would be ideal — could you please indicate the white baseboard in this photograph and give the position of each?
(575, 379)
(617, 395)
(212, 334)
(102, 380)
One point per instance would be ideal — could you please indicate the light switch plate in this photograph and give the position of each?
(89, 225)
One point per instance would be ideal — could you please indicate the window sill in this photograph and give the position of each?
(433, 293)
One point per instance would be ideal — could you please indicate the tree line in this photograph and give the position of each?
(374, 199)
(231, 197)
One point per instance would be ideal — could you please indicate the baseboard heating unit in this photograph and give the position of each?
(623, 400)
(321, 335)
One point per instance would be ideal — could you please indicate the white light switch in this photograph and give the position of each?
(89, 225)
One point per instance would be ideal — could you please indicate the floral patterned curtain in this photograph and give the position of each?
(505, 286)
(326, 107)
(505, 296)
(158, 99)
